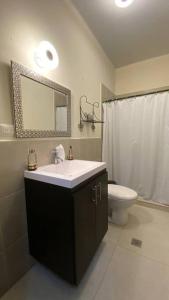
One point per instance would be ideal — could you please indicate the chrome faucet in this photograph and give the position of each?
(57, 159)
(59, 154)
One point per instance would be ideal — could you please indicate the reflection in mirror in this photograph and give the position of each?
(61, 120)
(38, 105)
(42, 107)
(60, 111)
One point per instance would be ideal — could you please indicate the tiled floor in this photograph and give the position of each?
(119, 271)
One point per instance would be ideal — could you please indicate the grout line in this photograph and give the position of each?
(154, 205)
(102, 279)
(143, 255)
(13, 193)
(133, 250)
(52, 139)
(21, 237)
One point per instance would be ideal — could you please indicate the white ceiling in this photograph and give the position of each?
(131, 34)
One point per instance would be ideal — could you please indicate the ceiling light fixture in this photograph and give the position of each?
(46, 56)
(123, 3)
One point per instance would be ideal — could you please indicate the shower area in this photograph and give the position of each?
(136, 144)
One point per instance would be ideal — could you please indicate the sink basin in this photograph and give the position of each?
(68, 174)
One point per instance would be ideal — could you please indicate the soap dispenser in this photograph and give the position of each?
(70, 155)
(32, 160)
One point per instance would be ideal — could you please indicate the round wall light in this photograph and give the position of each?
(46, 56)
(123, 3)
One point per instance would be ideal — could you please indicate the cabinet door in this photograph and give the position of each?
(85, 227)
(102, 207)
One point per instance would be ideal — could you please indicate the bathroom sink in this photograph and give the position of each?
(68, 173)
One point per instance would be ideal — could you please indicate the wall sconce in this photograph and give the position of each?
(46, 56)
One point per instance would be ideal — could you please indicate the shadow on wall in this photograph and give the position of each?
(6, 94)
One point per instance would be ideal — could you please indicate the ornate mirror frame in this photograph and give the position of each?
(18, 71)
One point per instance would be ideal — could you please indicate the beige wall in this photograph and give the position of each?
(83, 64)
(141, 76)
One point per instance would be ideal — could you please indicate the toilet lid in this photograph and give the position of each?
(121, 192)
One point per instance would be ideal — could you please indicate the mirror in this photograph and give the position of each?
(42, 108)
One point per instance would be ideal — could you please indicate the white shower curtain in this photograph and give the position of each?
(136, 144)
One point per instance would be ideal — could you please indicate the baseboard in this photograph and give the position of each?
(151, 204)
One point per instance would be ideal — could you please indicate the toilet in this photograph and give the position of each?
(120, 198)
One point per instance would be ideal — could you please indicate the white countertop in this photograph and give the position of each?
(68, 174)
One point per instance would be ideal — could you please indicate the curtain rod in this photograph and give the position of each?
(138, 94)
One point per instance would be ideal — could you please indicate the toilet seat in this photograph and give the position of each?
(118, 192)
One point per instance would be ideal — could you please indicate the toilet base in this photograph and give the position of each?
(119, 216)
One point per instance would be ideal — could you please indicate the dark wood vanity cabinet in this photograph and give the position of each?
(65, 226)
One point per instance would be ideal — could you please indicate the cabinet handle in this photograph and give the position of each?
(100, 191)
(94, 194)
